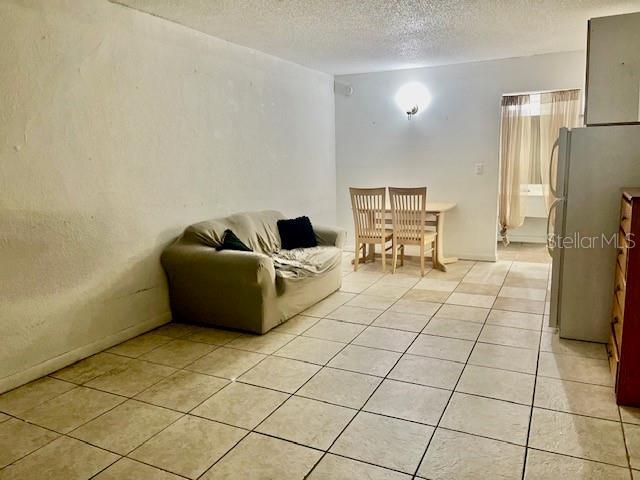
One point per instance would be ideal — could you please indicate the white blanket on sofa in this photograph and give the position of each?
(305, 262)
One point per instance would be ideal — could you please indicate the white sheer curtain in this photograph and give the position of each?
(557, 109)
(515, 161)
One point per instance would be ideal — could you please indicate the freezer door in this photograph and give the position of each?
(559, 164)
(558, 173)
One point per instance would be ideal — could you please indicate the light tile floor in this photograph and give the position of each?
(450, 376)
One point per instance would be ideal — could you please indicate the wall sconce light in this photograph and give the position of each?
(413, 98)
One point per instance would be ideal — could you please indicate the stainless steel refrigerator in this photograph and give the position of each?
(593, 164)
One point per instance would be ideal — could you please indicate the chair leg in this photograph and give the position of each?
(422, 260)
(434, 254)
(402, 255)
(394, 248)
(384, 256)
(356, 259)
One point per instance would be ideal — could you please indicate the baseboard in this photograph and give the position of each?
(478, 257)
(472, 257)
(67, 358)
(527, 239)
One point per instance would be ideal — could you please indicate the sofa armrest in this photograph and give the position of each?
(211, 266)
(331, 236)
(229, 289)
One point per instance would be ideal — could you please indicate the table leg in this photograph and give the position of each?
(441, 259)
(363, 258)
(368, 253)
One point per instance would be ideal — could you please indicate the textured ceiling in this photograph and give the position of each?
(352, 36)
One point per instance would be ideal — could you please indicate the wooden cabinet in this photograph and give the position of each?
(613, 70)
(624, 341)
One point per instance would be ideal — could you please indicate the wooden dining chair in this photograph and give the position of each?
(408, 219)
(369, 210)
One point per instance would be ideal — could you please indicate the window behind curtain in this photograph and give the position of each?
(535, 109)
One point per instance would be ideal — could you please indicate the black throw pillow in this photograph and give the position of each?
(231, 242)
(297, 233)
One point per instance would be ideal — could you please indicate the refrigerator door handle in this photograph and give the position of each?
(553, 206)
(552, 188)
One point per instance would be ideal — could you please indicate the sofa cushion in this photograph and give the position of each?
(231, 242)
(296, 233)
(257, 230)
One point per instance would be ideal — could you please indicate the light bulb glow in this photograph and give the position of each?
(412, 95)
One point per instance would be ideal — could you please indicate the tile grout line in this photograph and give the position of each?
(624, 439)
(321, 366)
(29, 453)
(138, 461)
(291, 395)
(252, 430)
(535, 385)
(67, 434)
(183, 336)
(183, 413)
(381, 382)
(226, 345)
(126, 398)
(370, 396)
(588, 460)
(531, 406)
(533, 399)
(424, 454)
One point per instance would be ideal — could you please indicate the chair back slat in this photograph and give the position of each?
(408, 213)
(368, 205)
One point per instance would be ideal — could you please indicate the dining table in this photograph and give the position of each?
(435, 221)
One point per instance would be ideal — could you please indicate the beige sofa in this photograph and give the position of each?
(252, 291)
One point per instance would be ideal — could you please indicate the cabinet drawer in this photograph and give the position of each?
(625, 216)
(620, 288)
(623, 251)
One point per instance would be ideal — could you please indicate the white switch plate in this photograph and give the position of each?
(479, 168)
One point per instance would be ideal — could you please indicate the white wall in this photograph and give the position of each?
(534, 227)
(117, 129)
(377, 146)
